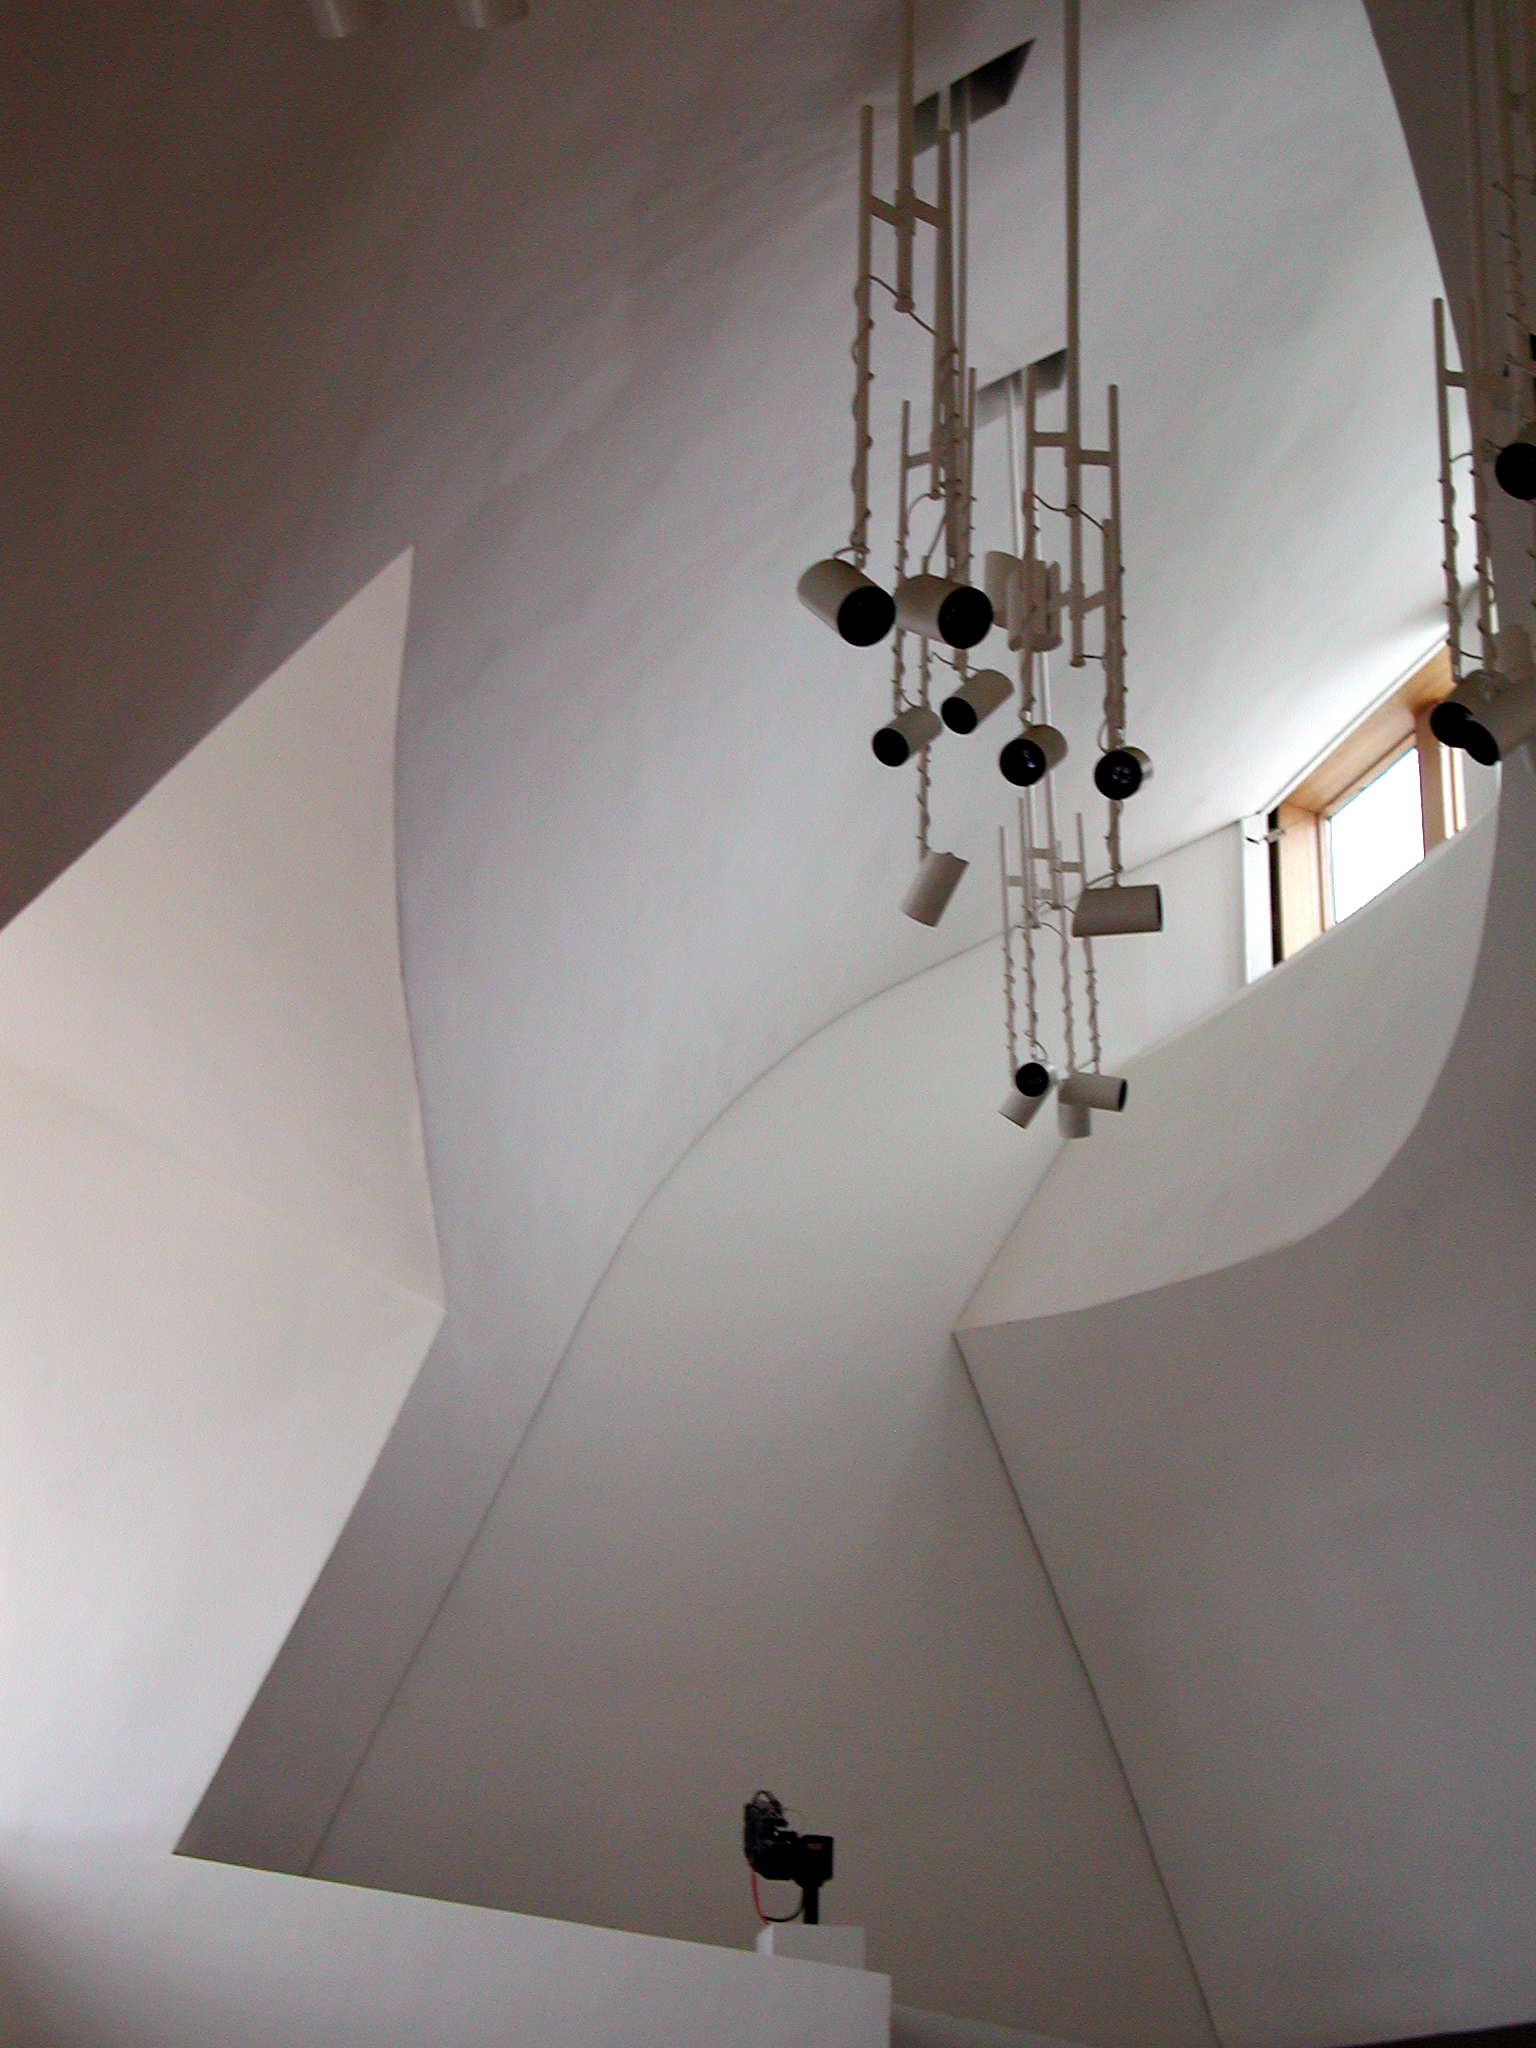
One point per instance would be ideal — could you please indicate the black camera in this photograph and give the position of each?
(775, 1850)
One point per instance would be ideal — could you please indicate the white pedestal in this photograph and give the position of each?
(843, 1945)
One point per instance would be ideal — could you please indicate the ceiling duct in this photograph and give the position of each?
(984, 91)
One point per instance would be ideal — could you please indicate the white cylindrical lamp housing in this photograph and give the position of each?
(937, 879)
(1020, 1109)
(1092, 1091)
(915, 728)
(977, 698)
(847, 600)
(1104, 913)
(936, 608)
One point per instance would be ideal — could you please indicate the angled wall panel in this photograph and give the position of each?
(1288, 1504)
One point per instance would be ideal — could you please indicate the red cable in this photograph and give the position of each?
(773, 1919)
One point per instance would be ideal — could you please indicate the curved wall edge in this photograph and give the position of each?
(1264, 1121)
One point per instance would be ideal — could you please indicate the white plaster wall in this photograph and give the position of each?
(122, 1947)
(222, 975)
(759, 1506)
(1269, 1118)
(218, 1269)
(1287, 1504)
(568, 310)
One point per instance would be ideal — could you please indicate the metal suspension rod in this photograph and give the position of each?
(1478, 337)
(1089, 973)
(1477, 399)
(1013, 469)
(858, 539)
(1517, 335)
(1027, 652)
(1068, 1038)
(963, 229)
(1073, 451)
(1114, 583)
(898, 651)
(970, 475)
(905, 196)
(923, 672)
(1009, 1012)
(940, 466)
(1030, 919)
(1447, 500)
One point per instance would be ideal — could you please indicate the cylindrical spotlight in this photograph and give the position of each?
(1515, 465)
(1031, 754)
(977, 698)
(481, 14)
(1121, 772)
(1092, 1091)
(1103, 913)
(1074, 1119)
(957, 613)
(937, 879)
(850, 602)
(1033, 1079)
(897, 742)
(1489, 713)
(336, 19)
(1019, 1108)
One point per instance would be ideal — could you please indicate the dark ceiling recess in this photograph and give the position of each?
(990, 86)
(1521, 2035)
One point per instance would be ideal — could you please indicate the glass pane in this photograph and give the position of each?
(1377, 836)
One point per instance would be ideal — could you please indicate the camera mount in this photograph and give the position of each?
(774, 1850)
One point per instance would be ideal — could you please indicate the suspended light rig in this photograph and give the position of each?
(940, 615)
(1492, 707)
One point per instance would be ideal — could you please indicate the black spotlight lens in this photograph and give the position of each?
(1117, 774)
(1022, 762)
(1515, 468)
(959, 714)
(890, 747)
(1032, 1079)
(1480, 743)
(1448, 722)
(866, 615)
(965, 616)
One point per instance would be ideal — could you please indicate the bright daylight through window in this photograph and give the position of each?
(1376, 836)
(1384, 796)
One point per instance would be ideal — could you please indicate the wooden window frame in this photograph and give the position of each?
(1300, 874)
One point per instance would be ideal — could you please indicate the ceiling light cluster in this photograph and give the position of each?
(335, 19)
(941, 614)
(1492, 708)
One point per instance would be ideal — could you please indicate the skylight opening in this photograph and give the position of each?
(1387, 794)
(1375, 836)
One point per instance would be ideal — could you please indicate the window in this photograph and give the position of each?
(1375, 835)
(1366, 814)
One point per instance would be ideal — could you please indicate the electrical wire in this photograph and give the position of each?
(773, 1919)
